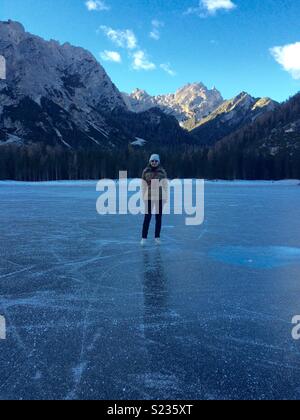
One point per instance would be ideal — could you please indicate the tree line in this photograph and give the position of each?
(39, 162)
(264, 149)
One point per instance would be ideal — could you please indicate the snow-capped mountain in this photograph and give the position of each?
(60, 94)
(192, 101)
(230, 116)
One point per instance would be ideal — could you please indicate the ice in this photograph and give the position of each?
(258, 257)
(90, 314)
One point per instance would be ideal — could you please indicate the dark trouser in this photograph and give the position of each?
(158, 207)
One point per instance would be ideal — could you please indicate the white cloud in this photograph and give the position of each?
(96, 5)
(289, 58)
(155, 33)
(168, 69)
(123, 39)
(113, 56)
(211, 7)
(127, 39)
(141, 61)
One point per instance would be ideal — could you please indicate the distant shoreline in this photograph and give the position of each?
(78, 183)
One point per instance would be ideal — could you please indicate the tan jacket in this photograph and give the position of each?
(150, 174)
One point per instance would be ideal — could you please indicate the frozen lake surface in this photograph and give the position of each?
(92, 315)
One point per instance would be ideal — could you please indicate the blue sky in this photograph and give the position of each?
(160, 45)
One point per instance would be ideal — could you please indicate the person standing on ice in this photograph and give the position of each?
(155, 192)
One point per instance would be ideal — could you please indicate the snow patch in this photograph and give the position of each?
(139, 142)
(11, 139)
(61, 138)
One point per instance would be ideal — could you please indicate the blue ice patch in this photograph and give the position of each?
(257, 257)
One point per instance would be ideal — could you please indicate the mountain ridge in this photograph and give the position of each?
(207, 118)
(194, 100)
(229, 116)
(61, 94)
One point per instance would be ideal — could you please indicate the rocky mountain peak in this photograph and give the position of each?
(140, 94)
(68, 79)
(14, 26)
(194, 100)
(230, 116)
(265, 103)
(11, 31)
(69, 76)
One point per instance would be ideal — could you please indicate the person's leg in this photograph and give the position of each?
(159, 213)
(147, 220)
